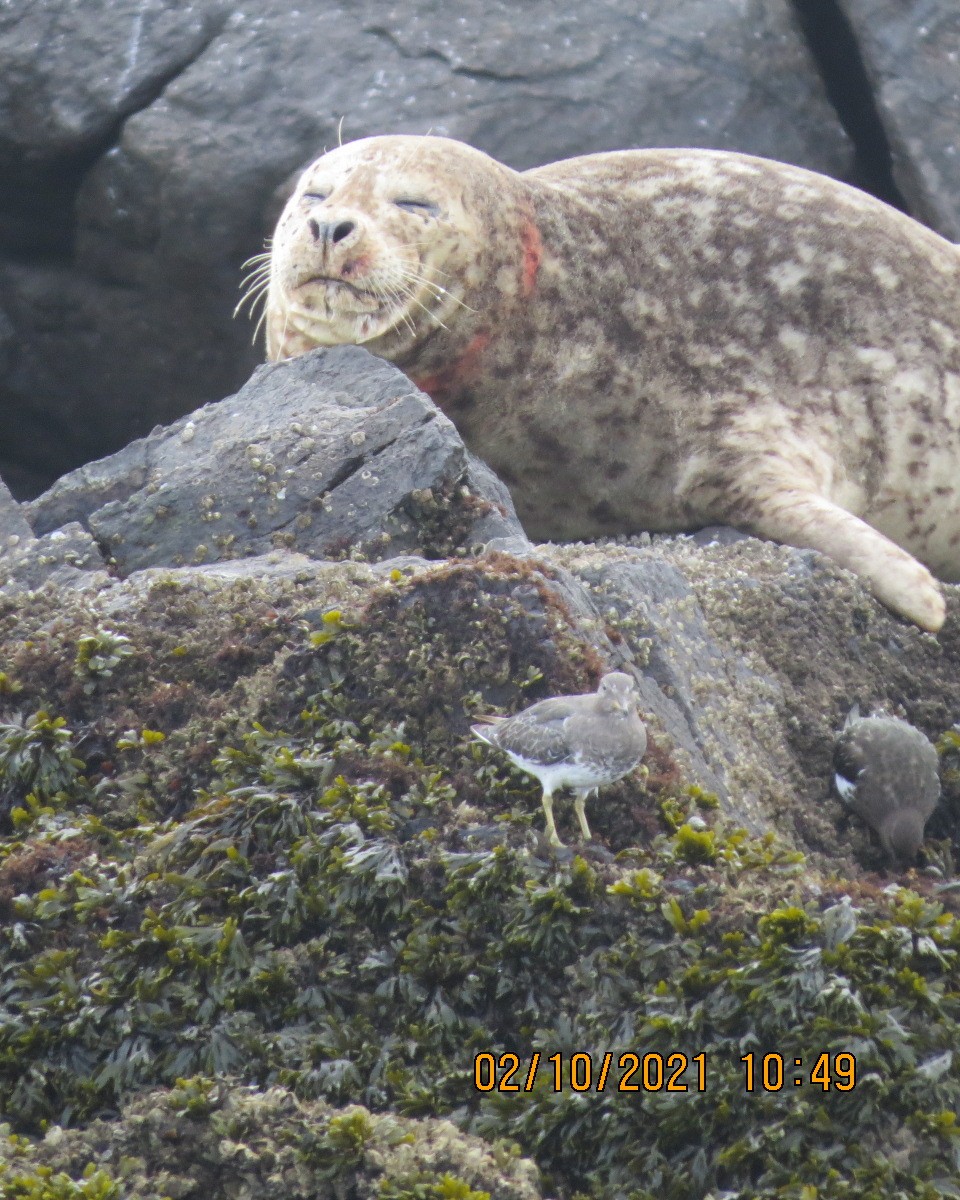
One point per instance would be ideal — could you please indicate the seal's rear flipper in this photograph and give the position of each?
(896, 578)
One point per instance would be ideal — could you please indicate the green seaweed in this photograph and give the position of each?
(284, 932)
(98, 654)
(282, 865)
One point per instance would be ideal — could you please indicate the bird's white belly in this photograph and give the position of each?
(572, 775)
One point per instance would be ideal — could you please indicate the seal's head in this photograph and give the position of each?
(378, 245)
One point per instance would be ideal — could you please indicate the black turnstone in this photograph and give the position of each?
(580, 742)
(887, 772)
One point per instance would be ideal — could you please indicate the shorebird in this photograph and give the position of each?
(887, 772)
(580, 742)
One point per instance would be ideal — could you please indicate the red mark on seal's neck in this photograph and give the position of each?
(532, 255)
(453, 377)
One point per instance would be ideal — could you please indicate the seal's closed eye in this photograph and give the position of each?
(318, 196)
(422, 206)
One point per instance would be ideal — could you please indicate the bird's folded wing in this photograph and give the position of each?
(848, 757)
(537, 741)
(615, 744)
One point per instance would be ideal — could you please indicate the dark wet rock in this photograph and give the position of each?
(140, 160)
(57, 114)
(758, 651)
(332, 453)
(912, 58)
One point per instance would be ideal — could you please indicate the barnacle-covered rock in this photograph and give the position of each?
(334, 453)
(220, 1141)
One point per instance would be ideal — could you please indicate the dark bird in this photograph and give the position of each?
(580, 742)
(887, 772)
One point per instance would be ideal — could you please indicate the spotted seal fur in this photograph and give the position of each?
(654, 339)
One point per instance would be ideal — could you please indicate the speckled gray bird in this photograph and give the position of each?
(887, 772)
(580, 742)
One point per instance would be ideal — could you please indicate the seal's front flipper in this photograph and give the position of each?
(896, 578)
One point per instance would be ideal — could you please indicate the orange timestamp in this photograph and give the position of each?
(582, 1072)
(654, 1072)
(771, 1072)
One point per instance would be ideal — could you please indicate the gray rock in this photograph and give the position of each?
(333, 453)
(173, 125)
(47, 49)
(650, 603)
(519, 546)
(603, 599)
(67, 558)
(14, 530)
(912, 57)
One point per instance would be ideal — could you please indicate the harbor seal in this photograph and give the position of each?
(654, 340)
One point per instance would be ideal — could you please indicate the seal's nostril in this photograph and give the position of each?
(330, 231)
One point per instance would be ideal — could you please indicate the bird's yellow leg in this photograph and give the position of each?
(579, 800)
(552, 836)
